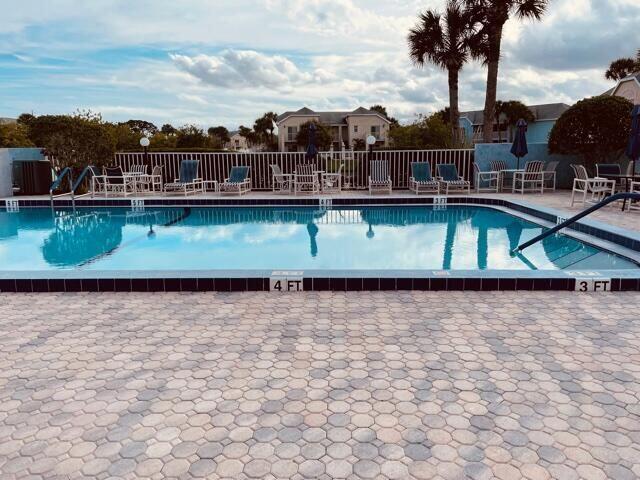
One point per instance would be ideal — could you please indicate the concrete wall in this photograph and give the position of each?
(538, 132)
(7, 157)
(486, 152)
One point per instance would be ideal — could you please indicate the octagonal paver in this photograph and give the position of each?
(355, 385)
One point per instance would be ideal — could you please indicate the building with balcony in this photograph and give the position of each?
(537, 132)
(346, 127)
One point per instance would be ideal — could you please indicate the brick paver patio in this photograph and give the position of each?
(320, 385)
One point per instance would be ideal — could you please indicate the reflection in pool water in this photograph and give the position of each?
(453, 238)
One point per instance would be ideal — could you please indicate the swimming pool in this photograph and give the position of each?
(395, 238)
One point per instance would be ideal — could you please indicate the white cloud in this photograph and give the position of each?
(244, 69)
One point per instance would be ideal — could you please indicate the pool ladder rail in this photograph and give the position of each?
(613, 198)
(67, 172)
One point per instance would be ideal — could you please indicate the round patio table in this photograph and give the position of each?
(620, 176)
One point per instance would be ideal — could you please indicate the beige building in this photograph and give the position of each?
(628, 88)
(346, 127)
(237, 142)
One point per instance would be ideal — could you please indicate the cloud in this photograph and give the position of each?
(244, 69)
(165, 61)
(192, 98)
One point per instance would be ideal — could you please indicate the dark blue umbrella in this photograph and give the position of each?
(519, 147)
(633, 148)
(312, 150)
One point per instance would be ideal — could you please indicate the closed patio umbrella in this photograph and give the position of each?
(519, 148)
(312, 150)
(633, 148)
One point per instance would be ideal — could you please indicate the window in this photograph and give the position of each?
(292, 133)
(355, 129)
(375, 131)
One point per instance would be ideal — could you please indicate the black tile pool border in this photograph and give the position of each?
(385, 281)
(317, 284)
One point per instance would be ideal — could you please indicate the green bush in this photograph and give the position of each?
(595, 128)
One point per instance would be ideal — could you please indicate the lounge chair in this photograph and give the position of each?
(305, 179)
(379, 178)
(531, 180)
(421, 180)
(450, 180)
(332, 181)
(282, 182)
(598, 188)
(238, 181)
(188, 181)
(486, 181)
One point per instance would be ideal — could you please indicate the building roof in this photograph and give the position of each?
(547, 111)
(633, 76)
(330, 118)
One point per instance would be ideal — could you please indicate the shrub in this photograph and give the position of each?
(596, 128)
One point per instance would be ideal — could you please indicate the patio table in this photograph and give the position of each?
(507, 170)
(621, 176)
(132, 179)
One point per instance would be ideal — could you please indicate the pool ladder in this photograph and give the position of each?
(67, 172)
(574, 219)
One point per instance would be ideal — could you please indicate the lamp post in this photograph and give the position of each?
(371, 141)
(144, 143)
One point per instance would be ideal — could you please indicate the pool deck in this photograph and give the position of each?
(423, 385)
(328, 385)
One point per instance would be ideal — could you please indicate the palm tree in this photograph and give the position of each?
(443, 40)
(492, 15)
(499, 110)
(623, 67)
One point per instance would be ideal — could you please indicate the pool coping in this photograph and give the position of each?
(618, 240)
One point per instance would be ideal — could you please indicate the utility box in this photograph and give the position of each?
(22, 179)
(31, 177)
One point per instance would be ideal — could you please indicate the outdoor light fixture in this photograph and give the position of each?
(371, 141)
(144, 143)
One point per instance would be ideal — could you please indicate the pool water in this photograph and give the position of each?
(371, 238)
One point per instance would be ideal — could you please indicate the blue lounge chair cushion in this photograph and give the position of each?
(238, 174)
(421, 172)
(188, 170)
(448, 172)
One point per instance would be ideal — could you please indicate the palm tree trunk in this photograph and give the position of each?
(454, 111)
(493, 63)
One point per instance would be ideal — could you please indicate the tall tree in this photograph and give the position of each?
(499, 111)
(141, 127)
(220, 132)
(444, 40)
(515, 110)
(623, 67)
(168, 129)
(487, 45)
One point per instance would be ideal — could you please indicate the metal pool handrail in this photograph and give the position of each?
(613, 198)
(66, 171)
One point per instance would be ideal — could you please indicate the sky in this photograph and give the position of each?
(225, 62)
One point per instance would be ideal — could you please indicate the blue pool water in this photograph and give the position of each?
(455, 238)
